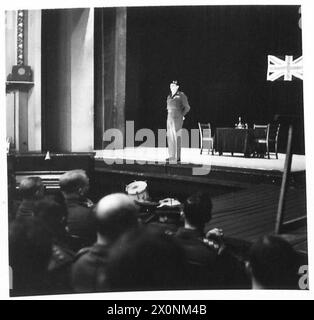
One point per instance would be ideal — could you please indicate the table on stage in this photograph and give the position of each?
(234, 140)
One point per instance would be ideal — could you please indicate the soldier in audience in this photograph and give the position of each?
(52, 212)
(115, 215)
(74, 185)
(202, 257)
(31, 189)
(273, 264)
(29, 255)
(147, 259)
(211, 264)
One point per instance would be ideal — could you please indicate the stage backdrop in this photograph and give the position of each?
(219, 54)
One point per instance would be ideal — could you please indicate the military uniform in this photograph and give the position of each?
(201, 258)
(177, 106)
(88, 270)
(208, 266)
(80, 222)
(59, 268)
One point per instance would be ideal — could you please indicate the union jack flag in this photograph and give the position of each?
(286, 68)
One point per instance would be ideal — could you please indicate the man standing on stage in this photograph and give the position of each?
(177, 106)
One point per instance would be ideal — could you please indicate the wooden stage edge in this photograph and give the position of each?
(214, 170)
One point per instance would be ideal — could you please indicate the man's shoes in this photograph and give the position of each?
(171, 159)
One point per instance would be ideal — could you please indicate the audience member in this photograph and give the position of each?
(202, 257)
(273, 264)
(74, 185)
(52, 212)
(122, 254)
(31, 189)
(29, 255)
(212, 263)
(146, 260)
(115, 214)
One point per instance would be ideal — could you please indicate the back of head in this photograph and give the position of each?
(74, 181)
(29, 254)
(146, 260)
(29, 244)
(197, 209)
(115, 215)
(31, 188)
(273, 263)
(52, 213)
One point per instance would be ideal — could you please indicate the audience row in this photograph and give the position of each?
(63, 243)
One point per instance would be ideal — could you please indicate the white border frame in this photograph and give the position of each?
(308, 54)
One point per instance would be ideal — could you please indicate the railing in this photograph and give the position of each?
(290, 225)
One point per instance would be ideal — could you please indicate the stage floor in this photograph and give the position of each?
(245, 191)
(192, 156)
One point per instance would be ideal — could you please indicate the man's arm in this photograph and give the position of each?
(185, 105)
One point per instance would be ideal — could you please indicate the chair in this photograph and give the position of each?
(206, 136)
(267, 135)
(260, 135)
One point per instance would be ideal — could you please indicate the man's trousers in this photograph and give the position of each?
(174, 125)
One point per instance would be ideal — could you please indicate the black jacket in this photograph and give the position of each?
(89, 269)
(80, 222)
